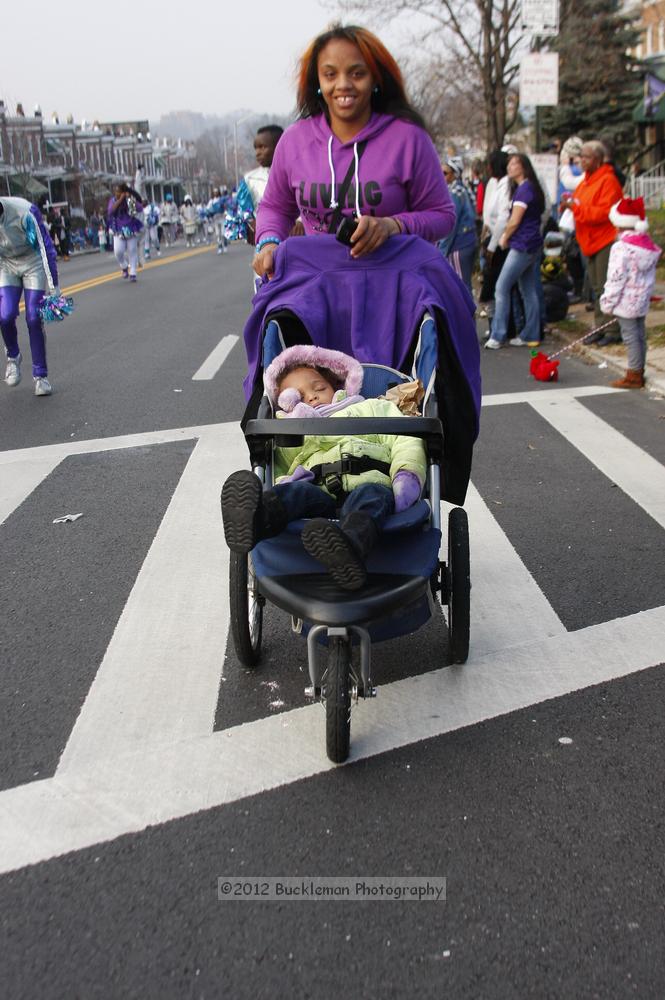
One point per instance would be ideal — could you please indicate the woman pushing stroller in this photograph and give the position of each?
(371, 477)
(358, 151)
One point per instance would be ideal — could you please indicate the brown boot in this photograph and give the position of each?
(633, 379)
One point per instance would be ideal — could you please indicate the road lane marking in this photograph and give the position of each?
(554, 395)
(496, 568)
(21, 466)
(160, 676)
(641, 477)
(216, 358)
(102, 279)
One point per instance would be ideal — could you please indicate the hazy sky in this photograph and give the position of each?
(123, 61)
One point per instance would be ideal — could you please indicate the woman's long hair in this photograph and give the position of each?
(497, 161)
(530, 175)
(391, 98)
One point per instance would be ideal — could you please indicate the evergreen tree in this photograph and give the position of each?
(599, 81)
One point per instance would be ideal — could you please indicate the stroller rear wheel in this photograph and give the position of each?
(245, 609)
(459, 586)
(336, 684)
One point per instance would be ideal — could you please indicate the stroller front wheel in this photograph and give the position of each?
(337, 694)
(245, 609)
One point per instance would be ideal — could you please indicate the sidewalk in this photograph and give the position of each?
(614, 356)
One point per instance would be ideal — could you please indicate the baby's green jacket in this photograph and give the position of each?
(398, 451)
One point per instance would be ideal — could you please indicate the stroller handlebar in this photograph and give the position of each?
(291, 431)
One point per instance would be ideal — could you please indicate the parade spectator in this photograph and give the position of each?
(355, 122)
(590, 204)
(570, 176)
(125, 215)
(523, 239)
(631, 275)
(25, 250)
(65, 234)
(496, 209)
(459, 246)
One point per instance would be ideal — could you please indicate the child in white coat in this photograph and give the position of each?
(631, 274)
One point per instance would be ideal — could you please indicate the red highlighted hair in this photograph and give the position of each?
(391, 97)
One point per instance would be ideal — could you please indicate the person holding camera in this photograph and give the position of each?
(358, 163)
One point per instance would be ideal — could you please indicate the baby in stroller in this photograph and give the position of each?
(360, 480)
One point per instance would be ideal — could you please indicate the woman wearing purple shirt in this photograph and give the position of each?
(354, 121)
(522, 236)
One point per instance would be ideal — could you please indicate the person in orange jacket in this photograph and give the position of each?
(591, 203)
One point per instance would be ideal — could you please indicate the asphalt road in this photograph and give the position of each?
(140, 763)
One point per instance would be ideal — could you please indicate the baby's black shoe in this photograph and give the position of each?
(326, 542)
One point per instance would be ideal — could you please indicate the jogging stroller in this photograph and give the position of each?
(395, 600)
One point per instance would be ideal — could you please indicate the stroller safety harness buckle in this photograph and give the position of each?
(329, 474)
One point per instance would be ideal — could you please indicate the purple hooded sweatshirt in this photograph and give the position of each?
(399, 175)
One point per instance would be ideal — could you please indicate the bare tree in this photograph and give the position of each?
(482, 34)
(445, 92)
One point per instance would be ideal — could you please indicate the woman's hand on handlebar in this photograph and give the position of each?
(371, 232)
(263, 262)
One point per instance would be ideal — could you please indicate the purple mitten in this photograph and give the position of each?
(288, 399)
(301, 475)
(406, 489)
(304, 410)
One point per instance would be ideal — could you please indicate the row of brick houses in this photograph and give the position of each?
(78, 164)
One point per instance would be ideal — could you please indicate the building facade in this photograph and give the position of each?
(77, 164)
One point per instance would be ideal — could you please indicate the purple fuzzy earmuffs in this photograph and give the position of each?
(343, 366)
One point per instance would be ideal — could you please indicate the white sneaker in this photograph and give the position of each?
(220, 250)
(13, 370)
(42, 386)
(493, 345)
(517, 342)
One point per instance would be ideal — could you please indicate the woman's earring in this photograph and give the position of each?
(376, 90)
(318, 93)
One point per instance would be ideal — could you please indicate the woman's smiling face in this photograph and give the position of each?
(346, 83)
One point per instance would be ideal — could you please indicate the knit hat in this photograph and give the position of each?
(456, 164)
(572, 147)
(343, 366)
(629, 214)
(510, 149)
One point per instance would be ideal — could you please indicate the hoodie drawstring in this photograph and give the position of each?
(356, 178)
(356, 161)
(333, 199)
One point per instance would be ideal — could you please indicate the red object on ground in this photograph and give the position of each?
(544, 370)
